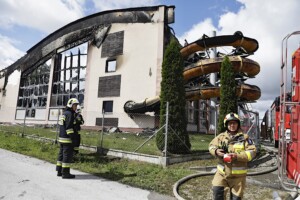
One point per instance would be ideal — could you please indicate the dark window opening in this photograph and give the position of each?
(30, 113)
(33, 89)
(107, 106)
(69, 76)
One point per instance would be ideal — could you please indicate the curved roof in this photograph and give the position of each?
(93, 27)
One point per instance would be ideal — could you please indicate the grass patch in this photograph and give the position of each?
(134, 173)
(121, 141)
(138, 174)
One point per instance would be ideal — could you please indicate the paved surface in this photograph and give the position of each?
(24, 177)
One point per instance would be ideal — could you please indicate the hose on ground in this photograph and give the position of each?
(184, 179)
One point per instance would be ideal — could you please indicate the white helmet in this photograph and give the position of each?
(71, 102)
(78, 110)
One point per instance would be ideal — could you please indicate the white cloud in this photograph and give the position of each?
(8, 53)
(196, 32)
(118, 4)
(267, 22)
(46, 16)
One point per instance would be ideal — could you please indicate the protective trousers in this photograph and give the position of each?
(222, 184)
(64, 159)
(76, 142)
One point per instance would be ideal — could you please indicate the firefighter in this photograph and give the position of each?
(66, 138)
(77, 127)
(234, 150)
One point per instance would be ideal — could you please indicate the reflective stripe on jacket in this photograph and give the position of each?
(66, 126)
(240, 144)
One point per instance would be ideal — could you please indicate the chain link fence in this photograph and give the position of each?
(120, 131)
(134, 133)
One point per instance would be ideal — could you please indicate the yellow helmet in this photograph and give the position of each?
(231, 117)
(71, 102)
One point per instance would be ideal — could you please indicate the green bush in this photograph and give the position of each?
(228, 99)
(172, 91)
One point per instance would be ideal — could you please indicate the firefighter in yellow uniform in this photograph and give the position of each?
(234, 150)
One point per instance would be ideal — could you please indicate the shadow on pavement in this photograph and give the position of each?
(87, 177)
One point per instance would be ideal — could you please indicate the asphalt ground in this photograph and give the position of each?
(24, 177)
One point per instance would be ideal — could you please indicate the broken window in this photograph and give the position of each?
(33, 89)
(69, 76)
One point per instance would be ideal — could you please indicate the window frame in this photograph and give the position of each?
(107, 65)
(104, 107)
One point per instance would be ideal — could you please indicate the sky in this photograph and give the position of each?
(24, 23)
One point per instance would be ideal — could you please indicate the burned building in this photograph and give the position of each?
(107, 61)
(104, 60)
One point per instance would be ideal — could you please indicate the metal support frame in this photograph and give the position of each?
(254, 125)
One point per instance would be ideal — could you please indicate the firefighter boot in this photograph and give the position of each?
(218, 192)
(66, 173)
(58, 169)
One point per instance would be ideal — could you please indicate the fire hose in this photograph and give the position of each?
(184, 179)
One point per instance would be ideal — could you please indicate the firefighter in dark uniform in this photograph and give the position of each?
(77, 127)
(234, 150)
(66, 136)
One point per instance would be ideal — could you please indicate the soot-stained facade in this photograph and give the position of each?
(104, 60)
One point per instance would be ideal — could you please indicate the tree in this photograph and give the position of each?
(228, 99)
(172, 91)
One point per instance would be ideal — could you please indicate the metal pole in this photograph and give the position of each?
(58, 114)
(101, 140)
(216, 121)
(23, 131)
(213, 79)
(257, 129)
(166, 129)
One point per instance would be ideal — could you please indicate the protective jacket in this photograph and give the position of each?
(66, 128)
(78, 122)
(240, 144)
(77, 127)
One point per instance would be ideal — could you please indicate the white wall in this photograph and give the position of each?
(9, 101)
(141, 53)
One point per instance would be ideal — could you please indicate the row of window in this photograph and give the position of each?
(68, 80)
(33, 89)
(68, 77)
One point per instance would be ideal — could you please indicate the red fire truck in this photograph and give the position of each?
(289, 149)
(271, 122)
